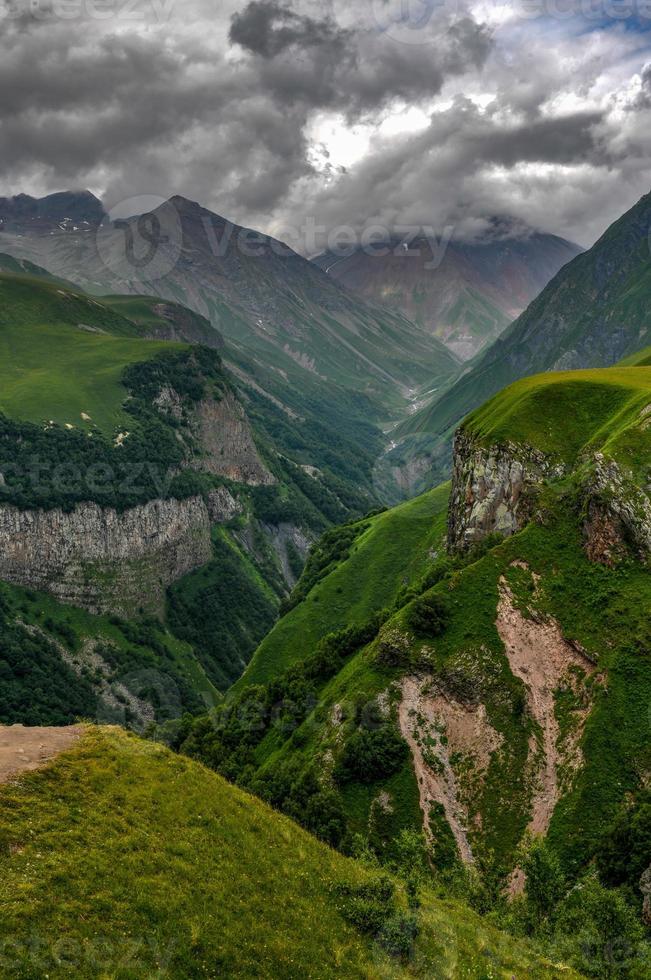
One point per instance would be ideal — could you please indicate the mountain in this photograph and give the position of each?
(254, 289)
(464, 293)
(137, 479)
(158, 867)
(65, 211)
(474, 662)
(592, 314)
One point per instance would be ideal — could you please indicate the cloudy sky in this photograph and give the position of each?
(285, 116)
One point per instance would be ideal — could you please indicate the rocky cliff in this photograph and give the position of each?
(103, 560)
(220, 429)
(493, 488)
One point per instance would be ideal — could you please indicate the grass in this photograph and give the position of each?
(563, 413)
(123, 860)
(52, 367)
(605, 610)
(391, 553)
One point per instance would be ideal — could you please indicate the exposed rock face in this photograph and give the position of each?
(280, 535)
(618, 514)
(493, 488)
(440, 729)
(103, 560)
(222, 505)
(541, 657)
(222, 431)
(645, 888)
(225, 436)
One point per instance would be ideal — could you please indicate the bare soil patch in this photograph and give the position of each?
(23, 749)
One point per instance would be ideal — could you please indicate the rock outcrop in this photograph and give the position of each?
(493, 488)
(617, 514)
(220, 429)
(225, 436)
(104, 560)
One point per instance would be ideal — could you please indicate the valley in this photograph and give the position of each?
(429, 702)
(325, 490)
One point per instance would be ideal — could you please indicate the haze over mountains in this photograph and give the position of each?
(464, 293)
(594, 312)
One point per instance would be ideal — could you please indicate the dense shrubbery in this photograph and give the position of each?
(581, 922)
(36, 686)
(625, 852)
(372, 908)
(340, 443)
(428, 615)
(372, 754)
(188, 372)
(226, 738)
(222, 612)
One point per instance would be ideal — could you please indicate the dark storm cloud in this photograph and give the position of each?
(223, 107)
(302, 59)
(161, 110)
(268, 28)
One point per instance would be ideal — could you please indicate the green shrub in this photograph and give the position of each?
(545, 882)
(599, 934)
(428, 615)
(370, 755)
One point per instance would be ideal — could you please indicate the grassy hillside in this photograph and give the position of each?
(63, 354)
(508, 684)
(564, 414)
(384, 554)
(126, 859)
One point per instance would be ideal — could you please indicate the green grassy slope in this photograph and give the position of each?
(163, 320)
(389, 554)
(62, 353)
(329, 696)
(125, 860)
(604, 610)
(563, 414)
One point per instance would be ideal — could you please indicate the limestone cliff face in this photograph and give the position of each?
(224, 434)
(103, 560)
(221, 429)
(493, 488)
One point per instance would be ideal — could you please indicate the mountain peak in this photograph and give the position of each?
(78, 206)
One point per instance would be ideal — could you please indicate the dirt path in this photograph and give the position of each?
(541, 657)
(23, 749)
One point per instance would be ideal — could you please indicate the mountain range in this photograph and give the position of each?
(464, 293)
(594, 312)
(435, 713)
